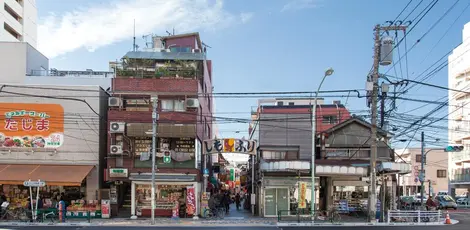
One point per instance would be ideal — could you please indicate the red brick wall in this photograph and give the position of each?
(157, 85)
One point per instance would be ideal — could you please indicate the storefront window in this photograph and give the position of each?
(350, 198)
(167, 198)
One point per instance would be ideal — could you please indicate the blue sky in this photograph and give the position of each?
(270, 45)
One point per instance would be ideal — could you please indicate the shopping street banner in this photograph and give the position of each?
(302, 195)
(31, 125)
(190, 200)
(230, 145)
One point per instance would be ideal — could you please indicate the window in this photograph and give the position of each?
(418, 158)
(136, 105)
(184, 49)
(441, 173)
(274, 155)
(291, 103)
(330, 119)
(280, 155)
(280, 103)
(172, 105)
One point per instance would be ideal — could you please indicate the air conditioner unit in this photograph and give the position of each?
(117, 127)
(192, 103)
(196, 50)
(115, 149)
(114, 101)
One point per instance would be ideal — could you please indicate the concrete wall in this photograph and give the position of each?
(35, 60)
(26, 27)
(287, 130)
(436, 160)
(12, 65)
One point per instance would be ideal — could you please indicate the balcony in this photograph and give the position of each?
(160, 85)
(146, 116)
(15, 6)
(459, 157)
(353, 153)
(461, 176)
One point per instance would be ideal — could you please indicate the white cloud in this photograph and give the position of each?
(99, 26)
(245, 17)
(295, 5)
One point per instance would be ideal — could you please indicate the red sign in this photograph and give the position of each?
(190, 201)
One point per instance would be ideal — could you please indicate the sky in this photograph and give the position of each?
(266, 45)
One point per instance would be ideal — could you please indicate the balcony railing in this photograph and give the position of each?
(460, 156)
(461, 175)
(352, 153)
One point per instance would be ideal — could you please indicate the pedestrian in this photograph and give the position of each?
(237, 200)
(430, 204)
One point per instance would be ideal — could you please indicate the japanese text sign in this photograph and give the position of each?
(190, 200)
(230, 145)
(31, 125)
(302, 195)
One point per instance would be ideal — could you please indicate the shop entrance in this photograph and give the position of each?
(275, 199)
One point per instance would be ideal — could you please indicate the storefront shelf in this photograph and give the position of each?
(83, 214)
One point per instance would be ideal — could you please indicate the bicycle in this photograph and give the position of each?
(218, 212)
(333, 216)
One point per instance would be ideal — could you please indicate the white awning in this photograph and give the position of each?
(340, 170)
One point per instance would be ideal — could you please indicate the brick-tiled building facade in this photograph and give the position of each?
(177, 72)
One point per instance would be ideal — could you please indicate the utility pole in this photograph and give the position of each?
(154, 147)
(422, 174)
(372, 208)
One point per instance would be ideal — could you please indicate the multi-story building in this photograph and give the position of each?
(177, 74)
(342, 153)
(459, 114)
(436, 175)
(18, 21)
(53, 134)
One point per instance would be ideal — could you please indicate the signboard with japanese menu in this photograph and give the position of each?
(142, 145)
(302, 195)
(31, 125)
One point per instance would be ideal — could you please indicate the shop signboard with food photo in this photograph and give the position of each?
(31, 125)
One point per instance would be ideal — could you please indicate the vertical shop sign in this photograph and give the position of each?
(302, 194)
(232, 174)
(190, 201)
(105, 209)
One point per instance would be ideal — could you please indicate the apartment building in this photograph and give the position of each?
(435, 170)
(459, 114)
(18, 21)
(175, 72)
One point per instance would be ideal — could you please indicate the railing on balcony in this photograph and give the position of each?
(353, 153)
(461, 175)
(461, 156)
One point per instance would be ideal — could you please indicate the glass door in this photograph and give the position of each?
(270, 202)
(282, 200)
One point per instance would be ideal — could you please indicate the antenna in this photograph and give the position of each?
(204, 44)
(134, 46)
(173, 30)
(145, 37)
(169, 34)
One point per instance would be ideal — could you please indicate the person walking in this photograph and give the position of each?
(237, 200)
(430, 204)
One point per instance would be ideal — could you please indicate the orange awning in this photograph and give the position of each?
(56, 175)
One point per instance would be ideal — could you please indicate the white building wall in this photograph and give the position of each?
(26, 24)
(81, 125)
(13, 65)
(459, 109)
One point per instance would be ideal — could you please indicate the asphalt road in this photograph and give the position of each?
(452, 227)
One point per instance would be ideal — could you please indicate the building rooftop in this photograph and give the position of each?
(166, 55)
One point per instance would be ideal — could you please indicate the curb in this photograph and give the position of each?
(362, 224)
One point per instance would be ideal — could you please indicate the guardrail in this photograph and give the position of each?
(300, 215)
(400, 216)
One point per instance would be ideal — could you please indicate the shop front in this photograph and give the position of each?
(175, 195)
(75, 184)
(286, 195)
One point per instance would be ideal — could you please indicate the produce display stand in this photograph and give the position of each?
(81, 210)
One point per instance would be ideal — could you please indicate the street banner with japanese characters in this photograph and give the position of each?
(302, 195)
(190, 201)
(229, 145)
(31, 125)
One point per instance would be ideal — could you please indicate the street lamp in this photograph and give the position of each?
(328, 72)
